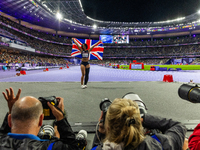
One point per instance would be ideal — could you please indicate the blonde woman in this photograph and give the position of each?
(123, 130)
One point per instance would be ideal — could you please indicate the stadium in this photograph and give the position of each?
(151, 58)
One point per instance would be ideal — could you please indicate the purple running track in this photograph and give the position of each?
(97, 74)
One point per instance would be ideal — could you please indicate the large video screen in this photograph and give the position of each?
(120, 39)
(114, 38)
(106, 38)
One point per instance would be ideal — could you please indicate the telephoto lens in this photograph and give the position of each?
(104, 105)
(46, 132)
(81, 139)
(189, 93)
(137, 99)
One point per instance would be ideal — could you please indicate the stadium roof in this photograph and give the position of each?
(43, 13)
(139, 10)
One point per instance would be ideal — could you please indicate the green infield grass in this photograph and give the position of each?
(183, 67)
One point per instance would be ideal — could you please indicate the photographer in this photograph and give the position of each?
(194, 139)
(191, 93)
(123, 130)
(23, 121)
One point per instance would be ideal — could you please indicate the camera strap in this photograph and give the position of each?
(50, 146)
(156, 138)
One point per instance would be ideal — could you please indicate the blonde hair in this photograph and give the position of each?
(118, 129)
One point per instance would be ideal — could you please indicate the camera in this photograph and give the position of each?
(46, 132)
(143, 110)
(104, 105)
(48, 115)
(142, 107)
(189, 93)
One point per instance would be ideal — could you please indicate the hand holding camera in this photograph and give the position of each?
(101, 125)
(56, 112)
(53, 107)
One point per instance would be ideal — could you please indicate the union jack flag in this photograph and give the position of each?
(95, 53)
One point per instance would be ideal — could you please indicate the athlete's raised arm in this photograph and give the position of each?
(97, 43)
(80, 49)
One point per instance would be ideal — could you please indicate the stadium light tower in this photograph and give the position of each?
(59, 16)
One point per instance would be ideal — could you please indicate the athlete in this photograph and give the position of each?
(85, 66)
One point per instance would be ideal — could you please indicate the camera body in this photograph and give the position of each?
(48, 115)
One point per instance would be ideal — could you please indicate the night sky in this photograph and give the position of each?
(139, 10)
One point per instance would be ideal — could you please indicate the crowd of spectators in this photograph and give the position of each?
(153, 51)
(65, 50)
(41, 45)
(197, 60)
(8, 35)
(46, 36)
(128, 61)
(6, 57)
(160, 41)
(132, 42)
(109, 52)
(153, 61)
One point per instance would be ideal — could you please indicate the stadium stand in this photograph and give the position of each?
(7, 57)
(123, 52)
(42, 35)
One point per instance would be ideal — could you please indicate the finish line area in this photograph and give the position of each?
(82, 105)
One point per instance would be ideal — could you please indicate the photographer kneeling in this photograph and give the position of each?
(24, 120)
(124, 130)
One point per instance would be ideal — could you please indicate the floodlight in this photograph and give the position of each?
(94, 26)
(59, 16)
(199, 12)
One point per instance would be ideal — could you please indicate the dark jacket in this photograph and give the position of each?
(66, 142)
(171, 138)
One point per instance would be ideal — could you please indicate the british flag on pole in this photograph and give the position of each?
(95, 53)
